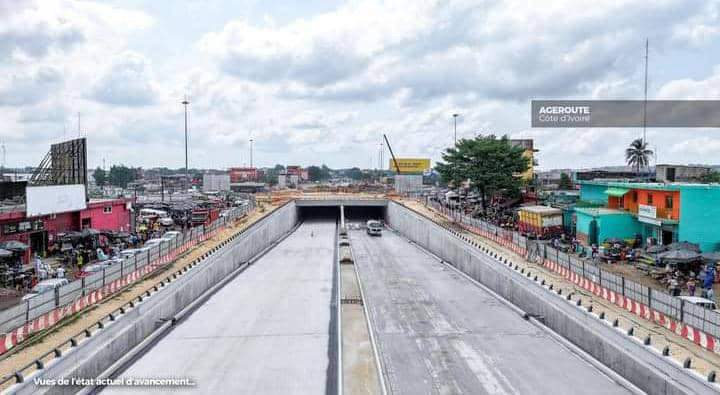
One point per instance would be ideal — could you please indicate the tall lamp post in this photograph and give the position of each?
(251, 153)
(455, 126)
(185, 103)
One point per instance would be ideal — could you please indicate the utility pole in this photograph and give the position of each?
(647, 45)
(79, 133)
(455, 126)
(185, 103)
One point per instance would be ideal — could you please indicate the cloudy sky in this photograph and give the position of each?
(317, 81)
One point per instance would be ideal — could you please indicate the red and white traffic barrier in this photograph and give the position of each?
(47, 320)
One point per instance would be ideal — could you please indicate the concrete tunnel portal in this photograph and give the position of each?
(353, 211)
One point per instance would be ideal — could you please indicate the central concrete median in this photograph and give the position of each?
(627, 357)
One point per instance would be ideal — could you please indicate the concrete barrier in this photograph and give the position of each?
(96, 353)
(631, 359)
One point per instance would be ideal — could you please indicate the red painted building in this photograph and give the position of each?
(39, 232)
(242, 174)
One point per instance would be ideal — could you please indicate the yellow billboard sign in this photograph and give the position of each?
(410, 165)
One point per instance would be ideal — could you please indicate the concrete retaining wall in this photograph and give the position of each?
(98, 352)
(629, 358)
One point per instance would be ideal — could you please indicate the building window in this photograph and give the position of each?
(107, 210)
(649, 198)
(668, 201)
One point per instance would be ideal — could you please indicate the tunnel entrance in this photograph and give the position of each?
(352, 213)
(319, 212)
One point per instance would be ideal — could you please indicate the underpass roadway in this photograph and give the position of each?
(438, 332)
(266, 331)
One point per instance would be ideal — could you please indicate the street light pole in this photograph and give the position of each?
(455, 126)
(187, 178)
(251, 153)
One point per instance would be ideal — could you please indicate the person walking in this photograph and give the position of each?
(691, 287)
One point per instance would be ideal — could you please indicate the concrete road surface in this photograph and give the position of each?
(266, 332)
(439, 333)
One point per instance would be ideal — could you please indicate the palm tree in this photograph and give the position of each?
(638, 155)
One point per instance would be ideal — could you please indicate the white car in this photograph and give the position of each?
(153, 242)
(45, 286)
(129, 253)
(166, 221)
(171, 235)
(698, 301)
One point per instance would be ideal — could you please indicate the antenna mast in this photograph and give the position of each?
(647, 44)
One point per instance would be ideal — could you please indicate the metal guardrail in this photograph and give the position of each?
(703, 319)
(19, 375)
(23, 314)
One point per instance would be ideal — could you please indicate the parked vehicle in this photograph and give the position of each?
(374, 228)
(540, 221)
(45, 286)
(148, 215)
(698, 301)
(153, 242)
(129, 253)
(171, 235)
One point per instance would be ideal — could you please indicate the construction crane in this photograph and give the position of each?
(397, 168)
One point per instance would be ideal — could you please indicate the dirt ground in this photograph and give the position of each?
(26, 354)
(703, 361)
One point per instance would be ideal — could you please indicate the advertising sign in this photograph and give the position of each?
(647, 211)
(410, 165)
(52, 199)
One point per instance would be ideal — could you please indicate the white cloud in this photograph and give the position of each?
(127, 82)
(29, 87)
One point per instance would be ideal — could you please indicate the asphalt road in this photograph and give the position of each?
(439, 333)
(266, 332)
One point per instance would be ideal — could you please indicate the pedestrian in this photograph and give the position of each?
(80, 261)
(691, 287)
(60, 272)
(709, 277)
(711, 294)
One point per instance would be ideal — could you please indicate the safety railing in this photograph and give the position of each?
(651, 303)
(44, 310)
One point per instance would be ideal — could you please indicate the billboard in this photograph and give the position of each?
(52, 199)
(410, 165)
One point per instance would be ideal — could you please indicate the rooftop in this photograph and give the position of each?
(671, 186)
(595, 211)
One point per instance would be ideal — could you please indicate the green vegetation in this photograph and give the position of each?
(638, 155)
(565, 182)
(100, 176)
(491, 165)
(712, 177)
(318, 173)
(121, 175)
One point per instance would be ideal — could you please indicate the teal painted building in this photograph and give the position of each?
(667, 212)
(595, 225)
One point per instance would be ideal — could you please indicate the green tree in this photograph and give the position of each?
(100, 176)
(491, 165)
(565, 182)
(638, 155)
(712, 177)
(355, 173)
(121, 175)
(314, 173)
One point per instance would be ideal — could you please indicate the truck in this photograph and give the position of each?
(540, 221)
(374, 227)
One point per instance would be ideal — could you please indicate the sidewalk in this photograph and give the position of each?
(703, 361)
